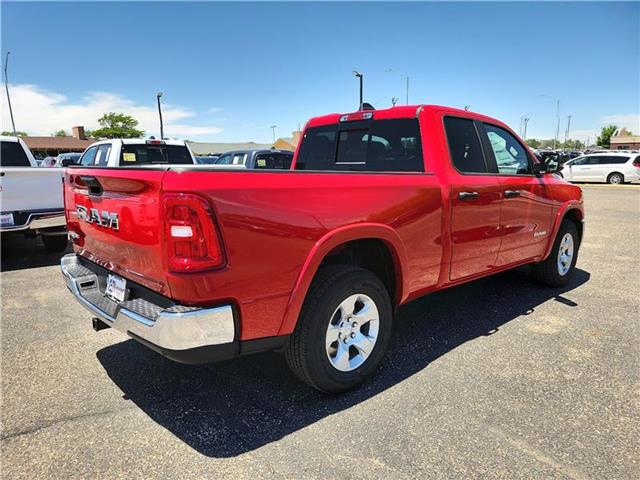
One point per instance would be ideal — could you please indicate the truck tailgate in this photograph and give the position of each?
(114, 218)
(31, 188)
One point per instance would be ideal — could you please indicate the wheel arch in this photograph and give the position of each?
(572, 211)
(352, 243)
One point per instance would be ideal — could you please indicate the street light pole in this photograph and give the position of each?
(524, 132)
(407, 89)
(566, 132)
(558, 123)
(6, 87)
(555, 140)
(360, 76)
(158, 95)
(273, 132)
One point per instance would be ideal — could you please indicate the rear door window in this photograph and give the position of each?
(613, 160)
(12, 155)
(380, 145)
(464, 145)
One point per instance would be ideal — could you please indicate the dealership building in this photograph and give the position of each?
(52, 146)
(622, 139)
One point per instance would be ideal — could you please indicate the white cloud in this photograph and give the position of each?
(584, 135)
(40, 112)
(630, 121)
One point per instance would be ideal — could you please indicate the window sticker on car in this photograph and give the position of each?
(129, 157)
(262, 162)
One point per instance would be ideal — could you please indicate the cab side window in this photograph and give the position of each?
(464, 145)
(511, 156)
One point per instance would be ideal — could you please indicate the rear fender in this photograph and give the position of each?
(325, 245)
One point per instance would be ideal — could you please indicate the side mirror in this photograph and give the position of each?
(67, 162)
(550, 165)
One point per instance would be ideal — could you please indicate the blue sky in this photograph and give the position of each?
(229, 71)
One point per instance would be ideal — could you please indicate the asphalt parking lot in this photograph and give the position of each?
(499, 378)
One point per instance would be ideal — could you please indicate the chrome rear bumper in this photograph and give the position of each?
(168, 330)
(39, 220)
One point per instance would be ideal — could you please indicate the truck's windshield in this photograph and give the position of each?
(380, 145)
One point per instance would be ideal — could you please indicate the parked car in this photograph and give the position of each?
(611, 167)
(207, 159)
(380, 208)
(30, 197)
(66, 159)
(135, 152)
(258, 159)
(48, 162)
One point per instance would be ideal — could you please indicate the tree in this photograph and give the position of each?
(604, 139)
(60, 133)
(117, 125)
(533, 143)
(8, 133)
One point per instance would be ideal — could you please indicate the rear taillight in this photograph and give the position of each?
(636, 162)
(192, 237)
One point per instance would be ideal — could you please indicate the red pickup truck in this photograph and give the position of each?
(380, 207)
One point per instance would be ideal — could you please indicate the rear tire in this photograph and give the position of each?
(343, 330)
(55, 243)
(558, 269)
(615, 178)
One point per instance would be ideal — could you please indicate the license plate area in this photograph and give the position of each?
(6, 220)
(116, 288)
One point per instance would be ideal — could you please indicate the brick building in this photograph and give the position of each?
(51, 146)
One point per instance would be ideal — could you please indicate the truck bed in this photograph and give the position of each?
(271, 224)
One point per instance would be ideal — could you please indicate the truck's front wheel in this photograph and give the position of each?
(557, 270)
(343, 330)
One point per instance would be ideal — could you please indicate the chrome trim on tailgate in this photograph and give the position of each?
(176, 328)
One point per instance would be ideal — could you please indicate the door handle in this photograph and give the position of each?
(511, 193)
(468, 195)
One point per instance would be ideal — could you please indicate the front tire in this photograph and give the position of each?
(343, 330)
(559, 267)
(615, 178)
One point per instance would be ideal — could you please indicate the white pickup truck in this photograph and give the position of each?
(138, 152)
(135, 152)
(30, 197)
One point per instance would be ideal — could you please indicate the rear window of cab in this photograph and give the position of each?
(142, 154)
(371, 146)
